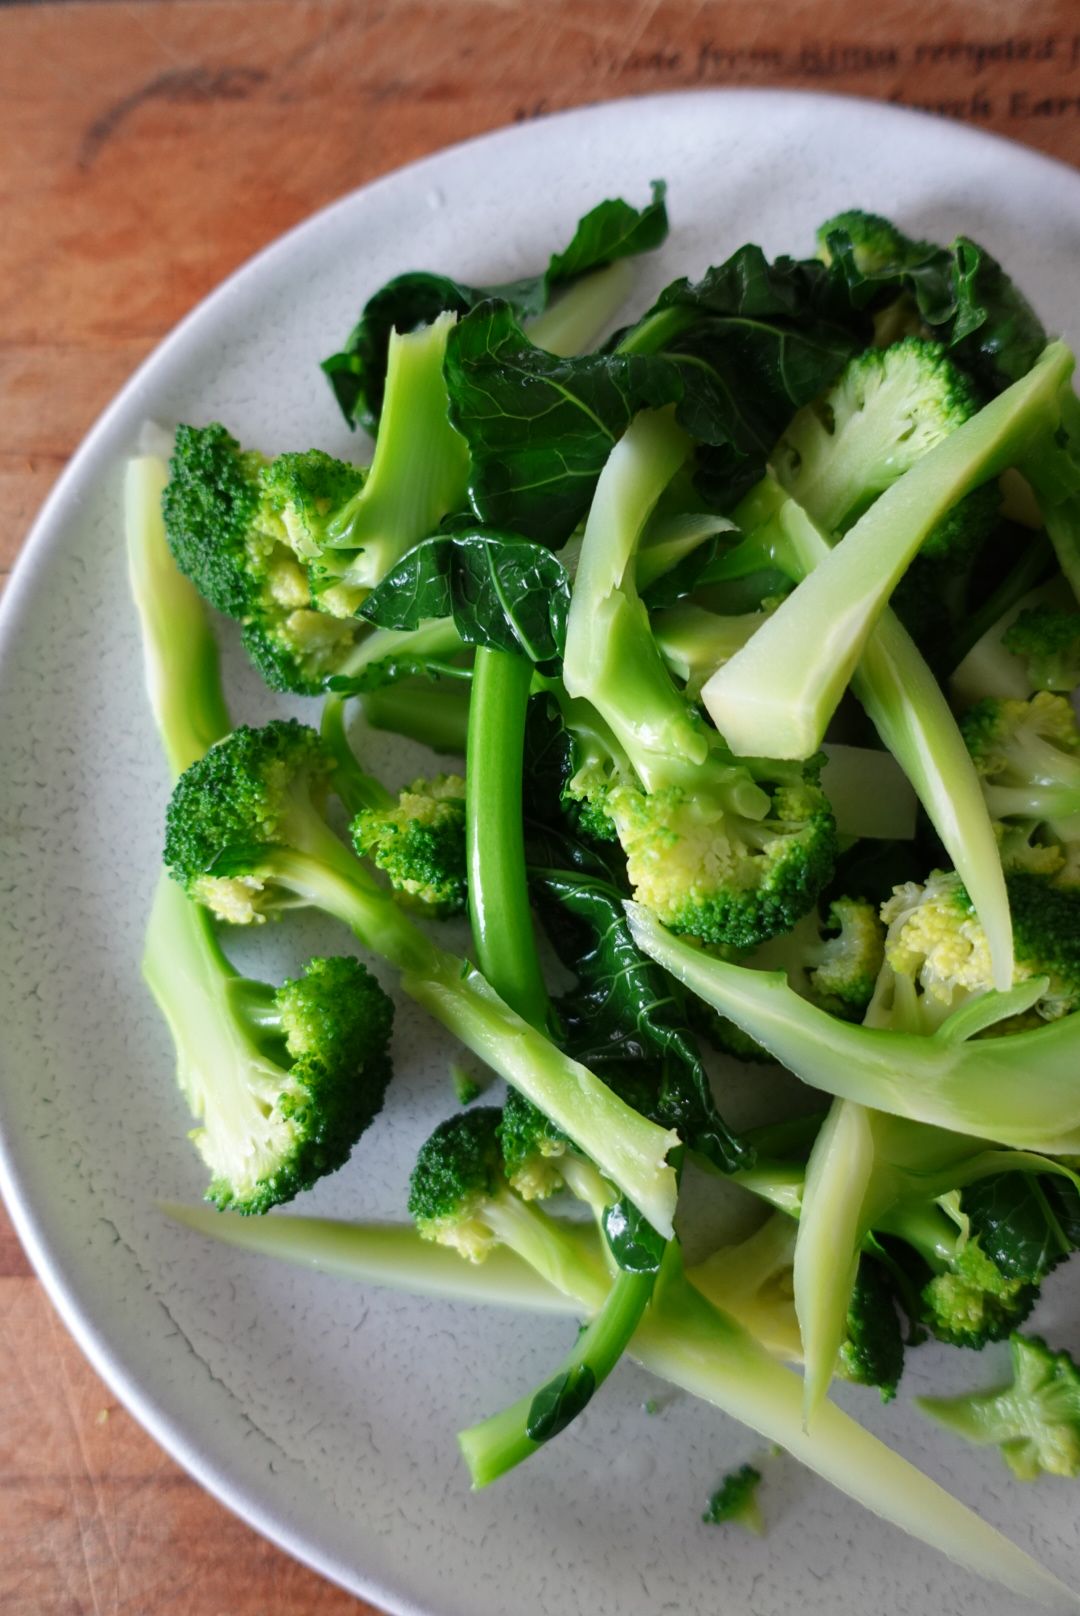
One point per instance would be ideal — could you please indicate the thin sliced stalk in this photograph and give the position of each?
(629, 1150)
(180, 654)
(696, 1347)
(497, 1444)
(831, 1232)
(777, 695)
(573, 321)
(966, 1087)
(390, 1255)
(908, 709)
(502, 925)
(420, 466)
(355, 788)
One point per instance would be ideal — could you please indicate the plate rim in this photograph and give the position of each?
(45, 534)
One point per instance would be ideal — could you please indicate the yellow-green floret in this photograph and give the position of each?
(974, 1302)
(1048, 641)
(1027, 754)
(703, 865)
(420, 843)
(457, 1174)
(533, 1149)
(832, 961)
(937, 956)
(232, 538)
(256, 789)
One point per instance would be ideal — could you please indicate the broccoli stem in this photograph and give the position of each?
(435, 715)
(420, 467)
(180, 656)
(571, 324)
(502, 926)
(695, 1346)
(961, 1084)
(683, 1339)
(908, 709)
(355, 788)
(497, 1444)
(776, 696)
(626, 1147)
(392, 1255)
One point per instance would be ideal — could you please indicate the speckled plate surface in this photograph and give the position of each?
(323, 1413)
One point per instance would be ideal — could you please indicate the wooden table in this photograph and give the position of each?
(146, 150)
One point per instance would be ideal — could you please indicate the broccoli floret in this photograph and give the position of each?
(832, 961)
(736, 1500)
(539, 1159)
(307, 493)
(1048, 641)
(1027, 754)
(889, 407)
(873, 1353)
(732, 850)
(972, 1302)
(245, 836)
(255, 791)
(283, 1082)
(937, 956)
(1034, 1420)
(876, 244)
(419, 843)
(707, 868)
(778, 693)
(457, 1182)
(231, 541)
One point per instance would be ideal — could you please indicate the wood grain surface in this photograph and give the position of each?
(146, 149)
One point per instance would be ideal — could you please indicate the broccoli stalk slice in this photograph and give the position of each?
(571, 324)
(496, 1445)
(625, 1147)
(832, 1227)
(611, 659)
(434, 715)
(694, 642)
(870, 795)
(502, 926)
(696, 1347)
(180, 655)
(948, 1079)
(751, 1282)
(392, 1255)
(419, 470)
(906, 705)
(991, 668)
(1034, 1420)
(776, 696)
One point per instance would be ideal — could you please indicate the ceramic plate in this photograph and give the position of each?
(323, 1413)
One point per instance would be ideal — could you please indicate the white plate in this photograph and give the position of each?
(323, 1414)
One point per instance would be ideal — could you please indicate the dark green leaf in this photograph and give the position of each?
(559, 1403)
(611, 231)
(626, 1019)
(502, 592)
(635, 1244)
(996, 332)
(1015, 1225)
(540, 428)
(752, 341)
(961, 293)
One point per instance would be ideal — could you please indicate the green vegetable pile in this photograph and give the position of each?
(745, 640)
